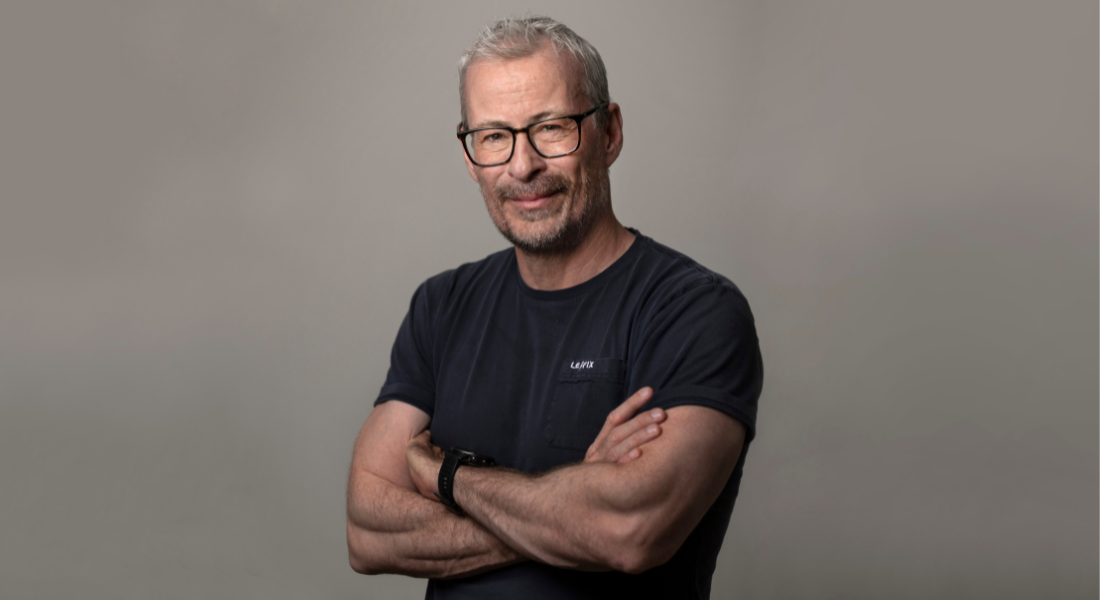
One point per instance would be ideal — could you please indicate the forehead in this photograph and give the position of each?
(516, 90)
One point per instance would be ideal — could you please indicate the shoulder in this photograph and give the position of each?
(675, 279)
(453, 284)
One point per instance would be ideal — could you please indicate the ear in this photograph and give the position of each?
(469, 165)
(614, 131)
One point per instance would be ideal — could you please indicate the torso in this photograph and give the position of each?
(528, 377)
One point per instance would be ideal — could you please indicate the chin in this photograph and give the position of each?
(529, 235)
(531, 229)
(556, 238)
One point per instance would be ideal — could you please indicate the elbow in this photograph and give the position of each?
(634, 561)
(363, 568)
(359, 565)
(360, 558)
(635, 546)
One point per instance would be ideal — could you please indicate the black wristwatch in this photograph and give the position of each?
(452, 459)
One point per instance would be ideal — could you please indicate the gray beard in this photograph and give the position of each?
(570, 232)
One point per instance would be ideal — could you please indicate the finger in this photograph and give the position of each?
(632, 448)
(629, 456)
(419, 444)
(639, 437)
(616, 417)
(417, 439)
(627, 409)
(620, 433)
(612, 437)
(597, 443)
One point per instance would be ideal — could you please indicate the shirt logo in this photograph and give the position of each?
(582, 364)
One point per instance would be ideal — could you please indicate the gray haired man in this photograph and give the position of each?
(501, 460)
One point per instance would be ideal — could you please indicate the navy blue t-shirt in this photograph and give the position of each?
(528, 377)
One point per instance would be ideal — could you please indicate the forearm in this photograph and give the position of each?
(577, 517)
(626, 517)
(395, 530)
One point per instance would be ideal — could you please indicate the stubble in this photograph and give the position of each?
(568, 231)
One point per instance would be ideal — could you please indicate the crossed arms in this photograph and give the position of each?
(622, 508)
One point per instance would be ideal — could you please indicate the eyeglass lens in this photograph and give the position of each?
(554, 137)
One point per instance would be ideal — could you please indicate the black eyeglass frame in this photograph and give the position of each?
(525, 130)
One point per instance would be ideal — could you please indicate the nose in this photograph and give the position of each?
(525, 163)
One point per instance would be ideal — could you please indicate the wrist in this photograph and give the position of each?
(453, 459)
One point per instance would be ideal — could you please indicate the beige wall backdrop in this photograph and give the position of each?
(214, 215)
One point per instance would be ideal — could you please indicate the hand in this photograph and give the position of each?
(621, 438)
(424, 460)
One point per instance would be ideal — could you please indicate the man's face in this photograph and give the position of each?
(542, 205)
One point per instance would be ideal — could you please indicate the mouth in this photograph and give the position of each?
(532, 201)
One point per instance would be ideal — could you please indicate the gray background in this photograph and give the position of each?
(214, 215)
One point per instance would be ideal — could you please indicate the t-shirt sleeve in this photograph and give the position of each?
(701, 348)
(411, 378)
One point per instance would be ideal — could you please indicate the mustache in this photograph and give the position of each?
(546, 185)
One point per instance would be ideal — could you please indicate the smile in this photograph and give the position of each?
(531, 202)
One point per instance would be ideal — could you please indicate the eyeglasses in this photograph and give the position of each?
(551, 138)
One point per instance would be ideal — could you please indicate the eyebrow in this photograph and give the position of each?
(546, 114)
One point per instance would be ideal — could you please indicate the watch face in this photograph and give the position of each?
(469, 458)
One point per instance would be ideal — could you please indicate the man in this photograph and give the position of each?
(522, 358)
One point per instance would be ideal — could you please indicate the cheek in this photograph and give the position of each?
(486, 186)
(487, 178)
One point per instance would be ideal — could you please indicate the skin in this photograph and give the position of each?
(521, 91)
(599, 516)
(391, 528)
(646, 481)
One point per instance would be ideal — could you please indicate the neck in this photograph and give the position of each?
(605, 243)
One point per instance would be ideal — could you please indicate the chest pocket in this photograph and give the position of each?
(586, 392)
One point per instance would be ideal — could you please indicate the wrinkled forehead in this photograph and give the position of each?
(518, 89)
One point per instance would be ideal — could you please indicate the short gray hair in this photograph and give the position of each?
(512, 38)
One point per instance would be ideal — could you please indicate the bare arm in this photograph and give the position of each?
(597, 516)
(393, 529)
(390, 527)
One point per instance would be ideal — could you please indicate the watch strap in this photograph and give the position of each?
(452, 459)
(451, 462)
